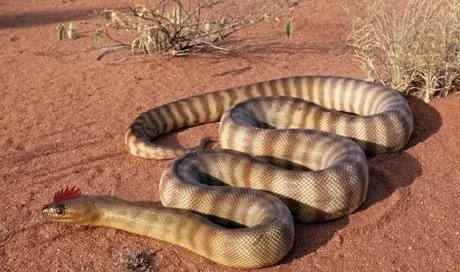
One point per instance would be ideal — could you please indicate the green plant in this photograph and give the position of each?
(178, 27)
(412, 47)
(66, 33)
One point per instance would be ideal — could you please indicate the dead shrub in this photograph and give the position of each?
(179, 27)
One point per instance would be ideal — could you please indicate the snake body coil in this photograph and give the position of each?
(314, 175)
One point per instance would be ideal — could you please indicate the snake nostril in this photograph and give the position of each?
(46, 209)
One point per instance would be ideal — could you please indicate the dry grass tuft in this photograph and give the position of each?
(413, 46)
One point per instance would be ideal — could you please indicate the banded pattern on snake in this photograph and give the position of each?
(310, 175)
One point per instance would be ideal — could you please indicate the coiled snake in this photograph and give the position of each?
(311, 175)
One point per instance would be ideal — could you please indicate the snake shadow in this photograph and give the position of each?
(427, 121)
(387, 173)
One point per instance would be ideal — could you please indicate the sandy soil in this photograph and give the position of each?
(63, 116)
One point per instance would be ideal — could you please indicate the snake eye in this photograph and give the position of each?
(60, 209)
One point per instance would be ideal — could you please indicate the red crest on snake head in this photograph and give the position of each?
(66, 193)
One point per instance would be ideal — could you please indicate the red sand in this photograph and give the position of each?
(63, 116)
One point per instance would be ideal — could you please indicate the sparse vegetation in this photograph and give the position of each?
(178, 26)
(66, 33)
(412, 46)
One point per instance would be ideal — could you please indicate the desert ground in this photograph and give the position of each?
(63, 116)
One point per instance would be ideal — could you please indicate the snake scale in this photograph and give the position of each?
(283, 153)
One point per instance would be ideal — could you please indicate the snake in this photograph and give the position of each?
(292, 149)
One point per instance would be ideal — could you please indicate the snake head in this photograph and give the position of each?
(69, 206)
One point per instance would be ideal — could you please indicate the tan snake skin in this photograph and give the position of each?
(382, 122)
(314, 175)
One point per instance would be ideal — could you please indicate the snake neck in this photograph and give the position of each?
(146, 219)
